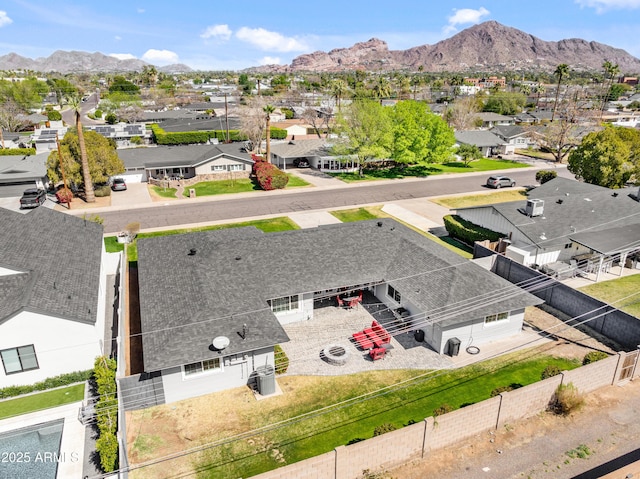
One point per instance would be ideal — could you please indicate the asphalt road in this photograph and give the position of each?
(270, 203)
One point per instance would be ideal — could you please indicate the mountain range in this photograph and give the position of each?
(488, 46)
(75, 62)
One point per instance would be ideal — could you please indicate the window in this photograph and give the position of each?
(393, 293)
(202, 367)
(217, 168)
(494, 318)
(236, 167)
(288, 303)
(17, 360)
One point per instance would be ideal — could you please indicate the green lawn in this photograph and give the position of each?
(623, 293)
(282, 223)
(501, 196)
(296, 181)
(43, 400)
(484, 164)
(112, 246)
(164, 192)
(358, 214)
(357, 417)
(240, 185)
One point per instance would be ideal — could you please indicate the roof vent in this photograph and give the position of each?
(615, 194)
(192, 252)
(379, 224)
(238, 258)
(559, 201)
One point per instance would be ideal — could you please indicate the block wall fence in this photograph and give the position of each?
(418, 440)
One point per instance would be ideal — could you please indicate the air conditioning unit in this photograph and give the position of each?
(535, 207)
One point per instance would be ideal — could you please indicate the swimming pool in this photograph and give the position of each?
(32, 451)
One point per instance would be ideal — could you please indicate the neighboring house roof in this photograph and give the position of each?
(479, 138)
(570, 207)
(491, 116)
(188, 299)
(300, 148)
(181, 156)
(611, 241)
(57, 257)
(22, 167)
(120, 130)
(507, 132)
(10, 136)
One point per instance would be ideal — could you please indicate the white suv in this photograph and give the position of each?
(499, 182)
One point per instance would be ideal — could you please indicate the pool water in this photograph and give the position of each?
(31, 452)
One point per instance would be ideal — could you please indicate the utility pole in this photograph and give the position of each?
(1, 138)
(226, 117)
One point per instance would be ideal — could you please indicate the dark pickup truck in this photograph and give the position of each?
(32, 198)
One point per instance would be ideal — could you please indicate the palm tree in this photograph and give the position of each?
(75, 103)
(561, 70)
(539, 89)
(382, 88)
(611, 71)
(338, 88)
(268, 109)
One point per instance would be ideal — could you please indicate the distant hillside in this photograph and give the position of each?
(75, 62)
(489, 46)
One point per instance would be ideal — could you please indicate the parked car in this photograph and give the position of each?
(301, 163)
(118, 184)
(32, 198)
(500, 181)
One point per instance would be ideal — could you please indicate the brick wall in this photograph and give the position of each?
(528, 401)
(595, 375)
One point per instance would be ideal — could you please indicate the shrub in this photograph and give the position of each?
(288, 113)
(468, 232)
(383, 428)
(136, 140)
(107, 447)
(443, 409)
(594, 356)
(104, 375)
(102, 190)
(17, 151)
(550, 371)
(111, 118)
(162, 137)
(567, 399)
(543, 176)
(54, 115)
(503, 389)
(281, 360)
(269, 176)
(49, 383)
(97, 114)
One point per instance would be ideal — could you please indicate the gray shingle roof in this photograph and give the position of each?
(507, 131)
(60, 257)
(300, 148)
(478, 138)
(569, 207)
(22, 167)
(611, 241)
(184, 156)
(233, 274)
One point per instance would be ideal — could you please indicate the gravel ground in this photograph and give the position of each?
(542, 447)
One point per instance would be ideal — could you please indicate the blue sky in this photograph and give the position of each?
(208, 35)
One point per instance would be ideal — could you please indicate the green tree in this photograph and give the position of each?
(121, 84)
(604, 158)
(367, 127)
(561, 71)
(610, 72)
(539, 89)
(468, 153)
(63, 89)
(505, 103)
(339, 88)
(419, 136)
(101, 158)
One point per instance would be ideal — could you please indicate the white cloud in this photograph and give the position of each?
(464, 16)
(140, 10)
(603, 5)
(122, 56)
(270, 41)
(269, 61)
(222, 32)
(4, 19)
(117, 38)
(161, 57)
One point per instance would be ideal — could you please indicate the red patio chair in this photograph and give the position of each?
(377, 353)
(340, 302)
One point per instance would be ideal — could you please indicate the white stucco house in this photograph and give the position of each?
(53, 269)
(238, 287)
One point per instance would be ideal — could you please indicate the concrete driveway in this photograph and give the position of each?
(135, 195)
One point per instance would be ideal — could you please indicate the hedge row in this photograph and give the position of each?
(269, 176)
(192, 137)
(49, 383)
(104, 374)
(17, 151)
(468, 232)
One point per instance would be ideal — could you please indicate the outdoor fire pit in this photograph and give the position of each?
(335, 354)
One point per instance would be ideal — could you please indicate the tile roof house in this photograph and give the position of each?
(563, 220)
(52, 295)
(243, 285)
(196, 162)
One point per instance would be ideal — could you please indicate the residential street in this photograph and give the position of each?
(274, 203)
